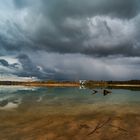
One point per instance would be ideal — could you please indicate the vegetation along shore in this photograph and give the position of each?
(89, 84)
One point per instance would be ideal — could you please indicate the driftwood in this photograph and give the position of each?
(99, 125)
(95, 91)
(106, 92)
(119, 128)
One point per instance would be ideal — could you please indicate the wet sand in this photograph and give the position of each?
(98, 125)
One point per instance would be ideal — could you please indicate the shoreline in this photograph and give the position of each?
(115, 85)
(53, 85)
(71, 85)
(40, 84)
(68, 84)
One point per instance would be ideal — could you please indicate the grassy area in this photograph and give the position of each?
(113, 84)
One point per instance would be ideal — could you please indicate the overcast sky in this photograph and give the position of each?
(70, 39)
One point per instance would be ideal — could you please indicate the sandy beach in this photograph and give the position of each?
(96, 125)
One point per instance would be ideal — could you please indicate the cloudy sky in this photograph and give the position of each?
(70, 39)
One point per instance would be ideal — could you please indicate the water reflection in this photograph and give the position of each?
(12, 97)
(103, 92)
(9, 105)
(12, 89)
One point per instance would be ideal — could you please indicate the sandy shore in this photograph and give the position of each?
(97, 126)
(53, 85)
(113, 123)
(41, 84)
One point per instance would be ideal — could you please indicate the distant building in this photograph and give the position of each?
(82, 82)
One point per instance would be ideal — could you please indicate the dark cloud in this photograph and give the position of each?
(68, 8)
(92, 30)
(4, 62)
(21, 3)
(68, 26)
(29, 68)
(77, 66)
(13, 39)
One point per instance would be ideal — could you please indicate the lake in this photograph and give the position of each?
(35, 113)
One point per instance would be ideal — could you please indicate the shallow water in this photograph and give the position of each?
(68, 113)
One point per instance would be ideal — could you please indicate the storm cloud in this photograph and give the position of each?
(65, 39)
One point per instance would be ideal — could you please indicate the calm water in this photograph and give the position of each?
(68, 100)
(24, 110)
